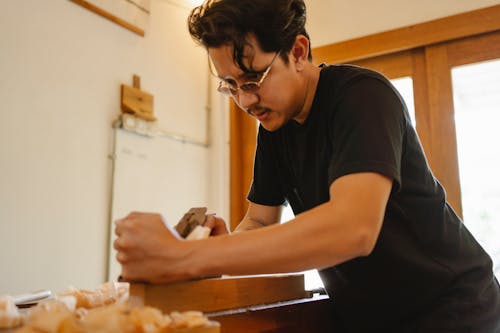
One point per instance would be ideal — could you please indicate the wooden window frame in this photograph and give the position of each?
(242, 143)
(432, 32)
(426, 52)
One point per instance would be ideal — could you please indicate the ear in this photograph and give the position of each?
(300, 52)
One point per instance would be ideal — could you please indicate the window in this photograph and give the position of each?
(312, 280)
(404, 85)
(477, 116)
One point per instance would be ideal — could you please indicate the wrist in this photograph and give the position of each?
(201, 259)
(192, 262)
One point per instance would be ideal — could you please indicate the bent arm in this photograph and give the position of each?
(341, 229)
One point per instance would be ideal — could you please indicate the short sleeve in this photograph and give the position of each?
(368, 130)
(266, 188)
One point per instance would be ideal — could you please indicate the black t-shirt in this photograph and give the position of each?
(425, 261)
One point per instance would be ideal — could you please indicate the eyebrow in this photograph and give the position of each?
(242, 75)
(239, 76)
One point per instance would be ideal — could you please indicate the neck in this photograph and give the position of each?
(311, 83)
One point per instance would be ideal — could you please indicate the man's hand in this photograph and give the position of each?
(217, 225)
(148, 251)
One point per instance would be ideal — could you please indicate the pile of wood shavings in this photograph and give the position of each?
(98, 311)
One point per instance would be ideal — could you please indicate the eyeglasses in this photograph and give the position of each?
(231, 87)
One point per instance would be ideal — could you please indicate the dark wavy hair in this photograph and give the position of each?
(275, 24)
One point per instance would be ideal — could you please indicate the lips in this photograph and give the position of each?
(260, 114)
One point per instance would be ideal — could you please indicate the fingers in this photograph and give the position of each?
(141, 237)
(122, 258)
(216, 224)
(121, 244)
(118, 227)
(121, 225)
(128, 224)
(124, 243)
(126, 251)
(210, 221)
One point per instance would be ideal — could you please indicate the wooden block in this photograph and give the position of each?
(217, 294)
(136, 81)
(137, 102)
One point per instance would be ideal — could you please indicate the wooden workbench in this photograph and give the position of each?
(262, 303)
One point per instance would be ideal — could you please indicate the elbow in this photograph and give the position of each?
(366, 240)
(366, 248)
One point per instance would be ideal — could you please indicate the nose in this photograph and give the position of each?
(246, 99)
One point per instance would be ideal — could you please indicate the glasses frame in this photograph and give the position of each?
(249, 87)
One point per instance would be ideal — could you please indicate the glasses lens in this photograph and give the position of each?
(250, 87)
(226, 89)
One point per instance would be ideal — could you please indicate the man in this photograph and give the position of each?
(335, 142)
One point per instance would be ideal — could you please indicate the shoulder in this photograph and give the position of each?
(342, 75)
(353, 86)
(340, 82)
(356, 96)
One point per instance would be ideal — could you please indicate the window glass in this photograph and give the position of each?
(311, 277)
(404, 86)
(476, 94)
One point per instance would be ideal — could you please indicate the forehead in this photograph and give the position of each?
(222, 59)
(225, 65)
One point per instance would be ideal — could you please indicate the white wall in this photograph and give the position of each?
(60, 71)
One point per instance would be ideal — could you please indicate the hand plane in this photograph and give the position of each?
(191, 226)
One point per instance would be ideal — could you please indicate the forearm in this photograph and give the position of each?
(315, 239)
(249, 224)
(258, 216)
(344, 228)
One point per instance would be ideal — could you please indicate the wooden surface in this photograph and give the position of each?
(421, 100)
(283, 305)
(243, 133)
(137, 102)
(391, 65)
(474, 49)
(432, 32)
(109, 16)
(213, 327)
(443, 158)
(209, 295)
(299, 316)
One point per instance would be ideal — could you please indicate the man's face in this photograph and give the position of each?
(281, 93)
